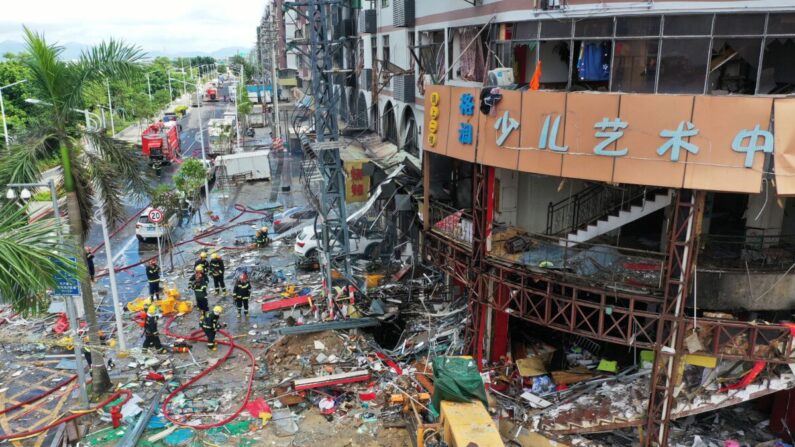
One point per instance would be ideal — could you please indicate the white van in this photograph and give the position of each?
(146, 230)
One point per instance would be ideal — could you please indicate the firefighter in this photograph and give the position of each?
(210, 325)
(153, 276)
(151, 335)
(217, 270)
(90, 263)
(203, 262)
(261, 239)
(198, 283)
(242, 292)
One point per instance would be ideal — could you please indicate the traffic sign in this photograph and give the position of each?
(67, 282)
(155, 216)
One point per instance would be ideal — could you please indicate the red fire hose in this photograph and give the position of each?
(76, 414)
(197, 336)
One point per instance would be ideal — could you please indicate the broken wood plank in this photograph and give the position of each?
(331, 380)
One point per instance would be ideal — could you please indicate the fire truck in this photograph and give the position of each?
(160, 144)
(212, 94)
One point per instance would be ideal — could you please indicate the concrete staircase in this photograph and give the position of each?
(618, 219)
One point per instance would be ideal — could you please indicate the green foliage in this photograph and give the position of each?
(250, 70)
(42, 196)
(221, 68)
(244, 105)
(166, 199)
(28, 251)
(18, 112)
(190, 177)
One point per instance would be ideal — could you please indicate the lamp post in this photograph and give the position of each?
(110, 110)
(3, 109)
(71, 311)
(148, 87)
(237, 102)
(201, 139)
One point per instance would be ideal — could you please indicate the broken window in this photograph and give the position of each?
(733, 66)
(683, 65)
(592, 65)
(635, 66)
(781, 24)
(431, 54)
(385, 49)
(471, 63)
(555, 56)
(778, 72)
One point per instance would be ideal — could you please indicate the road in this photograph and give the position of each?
(126, 248)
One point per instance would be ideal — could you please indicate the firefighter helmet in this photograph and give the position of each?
(203, 255)
(217, 310)
(199, 268)
(152, 310)
(216, 256)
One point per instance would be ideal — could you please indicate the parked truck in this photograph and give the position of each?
(212, 94)
(253, 165)
(222, 134)
(160, 144)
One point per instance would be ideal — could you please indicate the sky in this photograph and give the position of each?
(155, 25)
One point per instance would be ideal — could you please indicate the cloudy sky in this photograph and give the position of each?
(155, 25)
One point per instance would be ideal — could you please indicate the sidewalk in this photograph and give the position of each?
(132, 133)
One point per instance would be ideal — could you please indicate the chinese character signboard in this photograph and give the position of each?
(700, 142)
(67, 281)
(357, 185)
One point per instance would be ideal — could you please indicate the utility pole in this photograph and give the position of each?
(149, 87)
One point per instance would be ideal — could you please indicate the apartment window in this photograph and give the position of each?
(733, 65)
(385, 3)
(385, 49)
(556, 28)
(638, 26)
(695, 25)
(683, 65)
(591, 69)
(739, 24)
(635, 66)
(778, 72)
(373, 52)
(781, 24)
(594, 28)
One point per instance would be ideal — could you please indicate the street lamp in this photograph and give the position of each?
(201, 140)
(77, 341)
(3, 108)
(110, 108)
(148, 86)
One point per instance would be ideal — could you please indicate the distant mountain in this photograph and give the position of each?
(72, 50)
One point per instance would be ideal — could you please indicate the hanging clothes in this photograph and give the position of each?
(593, 62)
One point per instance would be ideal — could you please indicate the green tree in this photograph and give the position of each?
(17, 111)
(102, 176)
(190, 177)
(166, 199)
(29, 251)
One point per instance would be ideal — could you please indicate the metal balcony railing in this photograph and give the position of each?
(451, 222)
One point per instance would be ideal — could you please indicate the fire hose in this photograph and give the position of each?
(75, 413)
(198, 238)
(197, 337)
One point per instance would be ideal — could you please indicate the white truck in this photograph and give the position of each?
(222, 135)
(253, 165)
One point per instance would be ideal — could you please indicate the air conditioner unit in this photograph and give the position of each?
(501, 77)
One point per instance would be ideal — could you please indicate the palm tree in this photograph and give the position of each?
(30, 252)
(102, 172)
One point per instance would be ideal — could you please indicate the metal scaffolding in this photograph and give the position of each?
(325, 151)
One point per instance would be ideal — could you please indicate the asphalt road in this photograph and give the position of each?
(126, 248)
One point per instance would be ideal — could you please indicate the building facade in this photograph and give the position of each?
(628, 183)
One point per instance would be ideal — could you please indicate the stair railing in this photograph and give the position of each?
(590, 205)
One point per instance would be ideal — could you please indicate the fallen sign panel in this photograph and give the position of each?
(285, 303)
(331, 380)
(329, 326)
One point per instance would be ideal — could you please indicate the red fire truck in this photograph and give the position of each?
(212, 94)
(160, 144)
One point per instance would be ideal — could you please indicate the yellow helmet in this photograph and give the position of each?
(215, 256)
(199, 268)
(203, 255)
(264, 229)
(218, 310)
(152, 310)
(147, 301)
